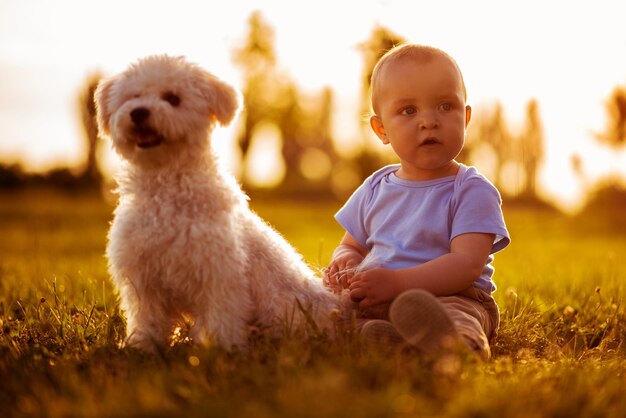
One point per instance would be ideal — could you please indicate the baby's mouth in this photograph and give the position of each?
(147, 137)
(430, 141)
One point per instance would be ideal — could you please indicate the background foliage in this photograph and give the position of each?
(302, 123)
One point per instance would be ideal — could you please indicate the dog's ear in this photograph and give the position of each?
(222, 99)
(102, 98)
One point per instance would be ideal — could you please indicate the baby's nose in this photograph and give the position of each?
(139, 115)
(428, 120)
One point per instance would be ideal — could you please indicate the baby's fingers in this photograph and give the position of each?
(354, 279)
(331, 273)
(351, 264)
(357, 294)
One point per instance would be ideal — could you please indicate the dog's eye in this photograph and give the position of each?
(171, 98)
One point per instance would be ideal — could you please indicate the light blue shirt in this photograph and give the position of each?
(407, 223)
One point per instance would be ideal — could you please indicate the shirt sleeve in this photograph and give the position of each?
(352, 215)
(478, 210)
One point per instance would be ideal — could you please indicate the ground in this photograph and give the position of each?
(560, 351)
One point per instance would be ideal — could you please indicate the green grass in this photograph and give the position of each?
(560, 351)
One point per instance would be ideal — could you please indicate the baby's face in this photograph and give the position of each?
(422, 114)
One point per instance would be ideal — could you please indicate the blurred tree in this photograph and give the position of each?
(12, 176)
(615, 133)
(492, 130)
(380, 41)
(578, 167)
(307, 147)
(289, 125)
(91, 174)
(65, 178)
(271, 97)
(608, 197)
(318, 153)
(261, 86)
(323, 124)
(531, 147)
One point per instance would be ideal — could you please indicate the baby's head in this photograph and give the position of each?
(419, 102)
(416, 52)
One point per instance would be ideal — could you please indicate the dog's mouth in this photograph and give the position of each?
(147, 137)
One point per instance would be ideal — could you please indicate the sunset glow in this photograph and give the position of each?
(568, 56)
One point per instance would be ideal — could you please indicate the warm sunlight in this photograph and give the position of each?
(509, 54)
(264, 168)
(279, 258)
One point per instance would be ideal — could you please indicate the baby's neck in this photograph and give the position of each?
(412, 173)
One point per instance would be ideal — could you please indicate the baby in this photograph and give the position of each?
(428, 226)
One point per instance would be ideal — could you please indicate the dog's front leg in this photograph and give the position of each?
(148, 326)
(222, 329)
(224, 324)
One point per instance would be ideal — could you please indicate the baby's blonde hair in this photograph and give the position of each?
(423, 53)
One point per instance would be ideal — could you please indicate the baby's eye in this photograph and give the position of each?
(171, 98)
(446, 107)
(408, 110)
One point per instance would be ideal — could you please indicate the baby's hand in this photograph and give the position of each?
(375, 287)
(341, 269)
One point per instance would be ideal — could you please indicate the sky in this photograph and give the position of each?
(569, 55)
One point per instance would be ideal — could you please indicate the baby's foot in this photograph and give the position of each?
(380, 333)
(422, 320)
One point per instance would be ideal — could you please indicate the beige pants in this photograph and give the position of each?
(475, 316)
(474, 313)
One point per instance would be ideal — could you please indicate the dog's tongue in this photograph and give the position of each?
(147, 138)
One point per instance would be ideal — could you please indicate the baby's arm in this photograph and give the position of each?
(348, 254)
(446, 275)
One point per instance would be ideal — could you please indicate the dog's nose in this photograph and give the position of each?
(139, 115)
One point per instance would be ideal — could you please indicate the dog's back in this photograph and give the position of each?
(279, 276)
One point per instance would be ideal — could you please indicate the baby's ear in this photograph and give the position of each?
(379, 129)
(102, 98)
(222, 99)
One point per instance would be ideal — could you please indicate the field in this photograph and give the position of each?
(560, 351)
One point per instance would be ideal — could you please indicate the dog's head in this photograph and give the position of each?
(162, 107)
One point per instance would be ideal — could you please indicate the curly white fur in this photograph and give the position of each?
(183, 241)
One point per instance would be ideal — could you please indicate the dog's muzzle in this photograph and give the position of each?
(144, 135)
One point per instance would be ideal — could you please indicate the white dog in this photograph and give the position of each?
(184, 241)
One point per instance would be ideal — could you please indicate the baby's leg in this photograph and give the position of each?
(476, 318)
(467, 316)
(423, 321)
(432, 323)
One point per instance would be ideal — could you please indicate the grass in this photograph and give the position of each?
(560, 351)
